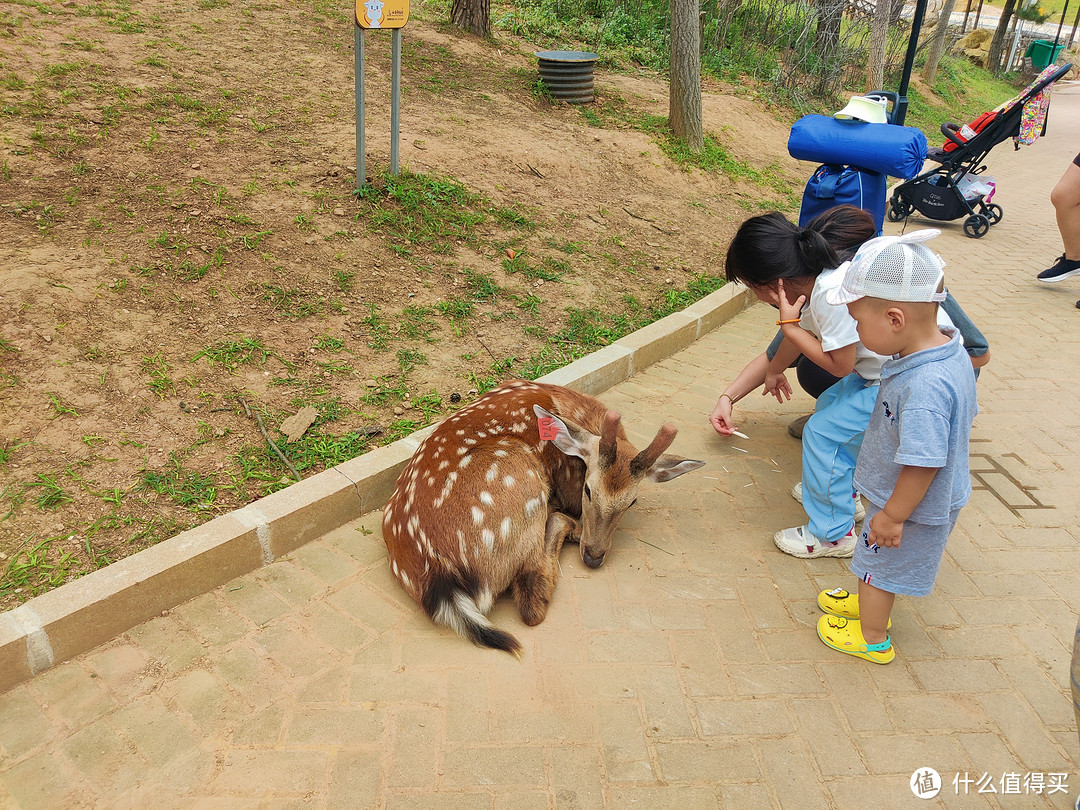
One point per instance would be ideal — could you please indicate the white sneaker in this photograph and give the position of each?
(799, 542)
(860, 509)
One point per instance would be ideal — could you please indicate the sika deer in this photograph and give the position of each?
(489, 497)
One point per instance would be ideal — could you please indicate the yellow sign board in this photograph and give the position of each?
(382, 13)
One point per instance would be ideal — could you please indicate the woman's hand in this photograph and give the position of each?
(720, 418)
(789, 310)
(777, 385)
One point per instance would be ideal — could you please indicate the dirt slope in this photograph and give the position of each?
(181, 250)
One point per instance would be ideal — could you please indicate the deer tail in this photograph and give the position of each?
(448, 601)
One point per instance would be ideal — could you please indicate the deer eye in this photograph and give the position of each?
(588, 492)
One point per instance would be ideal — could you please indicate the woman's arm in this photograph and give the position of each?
(747, 380)
(838, 362)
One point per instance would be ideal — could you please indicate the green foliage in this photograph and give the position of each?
(233, 353)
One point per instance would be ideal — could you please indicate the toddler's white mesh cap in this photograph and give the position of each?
(896, 268)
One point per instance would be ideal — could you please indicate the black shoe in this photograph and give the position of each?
(1065, 268)
(796, 427)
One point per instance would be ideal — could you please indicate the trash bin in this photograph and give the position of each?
(1043, 52)
(568, 75)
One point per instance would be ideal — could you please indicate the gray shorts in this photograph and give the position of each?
(912, 567)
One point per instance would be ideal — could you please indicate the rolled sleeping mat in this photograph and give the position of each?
(886, 148)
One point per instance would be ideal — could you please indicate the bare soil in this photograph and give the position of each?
(182, 254)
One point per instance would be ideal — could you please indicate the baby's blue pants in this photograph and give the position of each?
(830, 445)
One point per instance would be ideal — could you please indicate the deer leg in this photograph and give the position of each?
(535, 583)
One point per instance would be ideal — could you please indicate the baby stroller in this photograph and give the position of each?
(939, 193)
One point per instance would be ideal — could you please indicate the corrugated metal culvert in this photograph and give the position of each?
(568, 75)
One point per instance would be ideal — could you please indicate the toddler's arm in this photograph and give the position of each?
(911, 485)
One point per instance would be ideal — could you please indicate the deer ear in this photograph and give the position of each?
(667, 467)
(570, 440)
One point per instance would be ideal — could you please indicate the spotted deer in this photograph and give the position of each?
(490, 496)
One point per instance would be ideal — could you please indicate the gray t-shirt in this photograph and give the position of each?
(922, 418)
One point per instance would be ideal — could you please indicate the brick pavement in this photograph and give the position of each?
(685, 672)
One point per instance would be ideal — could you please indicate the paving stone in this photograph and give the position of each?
(168, 642)
(329, 726)
(71, 695)
(354, 780)
(207, 701)
(23, 724)
(210, 620)
(257, 772)
(42, 782)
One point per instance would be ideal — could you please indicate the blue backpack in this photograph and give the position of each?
(831, 186)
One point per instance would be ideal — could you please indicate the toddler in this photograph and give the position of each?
(913, 464)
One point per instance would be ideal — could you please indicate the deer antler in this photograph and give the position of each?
(647, 457)
(607, 438)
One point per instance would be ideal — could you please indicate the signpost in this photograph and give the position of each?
(392, 14)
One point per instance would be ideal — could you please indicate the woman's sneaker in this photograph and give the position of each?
(801, 542)
(1065, 268)
(860, 509)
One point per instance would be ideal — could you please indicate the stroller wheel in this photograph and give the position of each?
(898, 209)
(976, 226)
(992, 212)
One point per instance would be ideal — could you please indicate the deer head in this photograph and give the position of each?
(613, 471)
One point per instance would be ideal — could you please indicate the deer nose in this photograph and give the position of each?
(590, 560)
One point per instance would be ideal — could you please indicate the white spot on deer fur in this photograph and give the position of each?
(443, 465)
(480, 434)
(509, 481)
(469, 441)
(492, 473)
(393, 567)
(486, 499)
(405, 580)
(462, 451)
(500, 453)
(505, 527)
(460, 432)
(465, 461)
(478, 516)
(488, 536)
(532, 505)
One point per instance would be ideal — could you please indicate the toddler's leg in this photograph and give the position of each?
(875, 605)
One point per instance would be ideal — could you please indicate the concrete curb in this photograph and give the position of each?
(89, 611)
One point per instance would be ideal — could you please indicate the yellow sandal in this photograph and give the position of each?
(846, 636)
(839, 602)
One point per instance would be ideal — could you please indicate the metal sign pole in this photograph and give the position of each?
(358, 48)
(392, 14)
(395, 99)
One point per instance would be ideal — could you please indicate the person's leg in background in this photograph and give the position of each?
(1066, 201)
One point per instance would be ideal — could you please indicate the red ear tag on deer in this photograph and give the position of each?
(549, 428)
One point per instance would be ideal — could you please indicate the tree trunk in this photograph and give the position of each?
(473, 16)
(875, 59)
(684, 98)
(827, 34)
(997, 44)
(938, 42)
